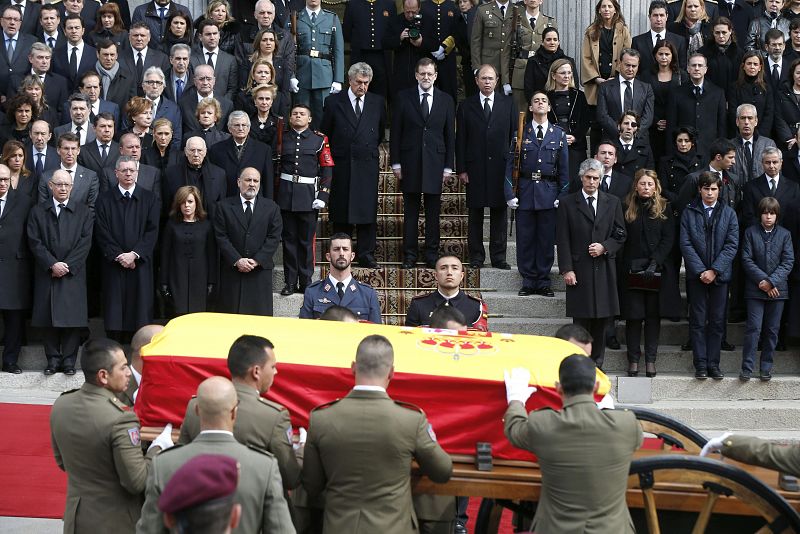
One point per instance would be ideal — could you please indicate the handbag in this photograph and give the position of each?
(638, 280)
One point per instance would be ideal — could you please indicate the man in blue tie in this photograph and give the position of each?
(16, 45)
(178, 79)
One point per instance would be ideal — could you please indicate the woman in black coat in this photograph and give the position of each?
(751, 88)
(188, 254)
(109, 26)
(537, 72)
(650, 239)
(179, 31)
(263, 121)
(673, 169)
(787, 108)
(569, 110)
(723, 55)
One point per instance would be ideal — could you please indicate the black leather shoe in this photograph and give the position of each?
(475, 264)
(650, 369)
(459, 528)
(502, 265)
(766, 376)
(12, 368)
(52, 367)
(408, 264)
(687, 346)
(744, 376)
(526, 291)
(716, 374)
(701, 374)
(727, 346)
(69, 370)
(633, 369)
(612, 343)
(287, 290)
(545, 292)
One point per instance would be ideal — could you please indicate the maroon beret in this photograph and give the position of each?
(203, 478)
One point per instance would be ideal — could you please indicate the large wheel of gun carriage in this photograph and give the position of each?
(678, 492)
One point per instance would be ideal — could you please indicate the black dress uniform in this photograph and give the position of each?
(364, 24)
(306, 165)
(359, 298)
(443, 13)
(422, 307)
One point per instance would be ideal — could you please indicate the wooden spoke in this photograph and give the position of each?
(650, 511)
(705, 514)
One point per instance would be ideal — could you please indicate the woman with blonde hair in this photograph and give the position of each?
(219, 11)
(261, 73)
(649, 282)
(693, 24)
(568, 109)
(208, 114)
(158, 154)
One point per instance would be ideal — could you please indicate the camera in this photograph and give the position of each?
(414, 26)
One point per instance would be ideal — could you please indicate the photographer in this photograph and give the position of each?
(411, 39)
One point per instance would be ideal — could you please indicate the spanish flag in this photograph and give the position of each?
(455, 377)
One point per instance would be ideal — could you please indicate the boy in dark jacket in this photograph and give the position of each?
(767, 259)
(709, 239)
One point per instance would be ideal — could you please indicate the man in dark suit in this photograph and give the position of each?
(155, 15)
(485, 124)
(153, 84)
(194, 169)
(770, 184)
(777, 69)
(286, 50)
(646, 42)
(13, 60)
(30, 14)
(612, 181)
(178, 77)
(241, 151)
(148, 177)
(90, 85)
(85, 9)
(40, 144)
(79, 120)
(354, 123)
(699, 104)
(103, 151)
(204, 83)
(56, 90)
(248, 230)
(590, 231)
(749, 145)
(625, 93)
(77, 57)
(422, 154)
(406, 51)
(226, 70)
(49, 30)
(85, 184)
(138, 57)
(563, 442)
(633, 151)
(117, 83)
(15, 269)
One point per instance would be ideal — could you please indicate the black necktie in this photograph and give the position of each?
(78, 133)
(239, 149)
(487, 110)
(39, 164)
(627, 101)
(60, 207)
(604, 184)
(248, 212)
(772, 187)
(139, 67)
(210, 62)
(313, 17)
(539, 133)
(51, 42)
(503, 12)
(358, 107)
(127, 195)
(697, 91)
(340, 290)
(590, 200)
(776, 76)
(748, 157)
(73, 62)
(533, 22)
(426, 110)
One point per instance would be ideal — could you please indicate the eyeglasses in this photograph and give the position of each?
(153, 82)
(61, 185)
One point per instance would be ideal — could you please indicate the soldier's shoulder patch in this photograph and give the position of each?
(431, 433)
(271, 404)
(326, 405)
(119, 405)
(260, 450)
(135, 436)
(70, 391)
(408, 406)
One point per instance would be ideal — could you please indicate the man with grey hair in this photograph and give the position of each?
(590, 229)
(749, 144)
(153, 84)
(264, 13)
(60, 236)
(147, 177)
(366, 473)
(204, 82)
(194, 168)
(79, 120)
(240, 151)
(771, 183)
(139, 56)
(354, 189)
(178, 78)
(625, 93)
(56, 87)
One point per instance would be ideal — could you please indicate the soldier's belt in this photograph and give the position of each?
(316, 54)
(539, 177)
(299, 179)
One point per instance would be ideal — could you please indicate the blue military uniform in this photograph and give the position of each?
(543, 175)
(444, 14)
(359, 298)
(320, 59)
(365, 22)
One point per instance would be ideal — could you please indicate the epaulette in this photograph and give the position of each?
(326, 405)
(70, 391)
(318, 282)
(271, 404)
(121, 406)
(422, 295)
(259, 449)
(319, 133)
(409, 406)
(473, 297)
(329, 11)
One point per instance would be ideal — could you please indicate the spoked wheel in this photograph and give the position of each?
(666, 481)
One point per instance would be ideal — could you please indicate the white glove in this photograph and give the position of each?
(163, 440)
(607, 402)
(555, 203)
(517, 388)
(714, 444)
(317, 204)
(439, 54)
(335, 87)
(507, 89)
(302, 440)
(513, 203)
(294, 85)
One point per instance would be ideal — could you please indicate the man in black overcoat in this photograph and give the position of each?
(422, 149)
(589, 233)
(485, 126)
(60, 236)
(354, 122)
(248, 230)
(408, 51)
(195, 169)
(126, 232)
(241, 151)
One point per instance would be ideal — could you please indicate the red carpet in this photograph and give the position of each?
(32, 483)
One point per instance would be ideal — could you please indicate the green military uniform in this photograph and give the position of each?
(528, 39)
(584, 454)
(96, 441)
(755, 451)
(260, 491)
(490, 41)
(259, 423)
(359, 450)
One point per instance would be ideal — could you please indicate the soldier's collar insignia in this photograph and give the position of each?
(352, 287)
(327, 287)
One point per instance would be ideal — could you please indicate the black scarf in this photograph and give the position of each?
(547, 58)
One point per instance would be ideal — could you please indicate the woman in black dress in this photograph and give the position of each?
(787, 108)
(651, 235)
(569, 110)
(188, 254)
(13, 157)
(751, 88)
(139, 111)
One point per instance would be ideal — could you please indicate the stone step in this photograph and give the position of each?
(37, 383)
(751, 415)
(671, 359)
(667, 386)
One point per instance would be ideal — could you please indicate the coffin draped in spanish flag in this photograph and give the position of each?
(457, 378)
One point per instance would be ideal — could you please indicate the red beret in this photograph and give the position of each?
(203, 478)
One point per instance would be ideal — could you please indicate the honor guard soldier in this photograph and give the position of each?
(449, 274)
(491, 37)
(306, 170)
(443, 13)
(524, 44)
(365, 22)
(543, 173)
(320, 57)
(340, 288)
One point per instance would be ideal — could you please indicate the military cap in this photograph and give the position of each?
(204, 478)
